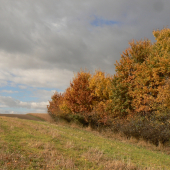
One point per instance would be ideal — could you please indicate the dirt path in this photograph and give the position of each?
(21, 116)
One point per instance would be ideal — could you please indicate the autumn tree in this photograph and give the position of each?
(100, 85)
(138, 87)
(152, 74)
(78, 96)
(53, 107)
(124, 80)
(163, 98)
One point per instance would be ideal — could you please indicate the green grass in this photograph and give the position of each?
(26, 144)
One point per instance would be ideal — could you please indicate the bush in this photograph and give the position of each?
(150, 129)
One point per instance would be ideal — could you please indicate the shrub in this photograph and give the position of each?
(150, 129)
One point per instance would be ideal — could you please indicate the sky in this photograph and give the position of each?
(44, 42)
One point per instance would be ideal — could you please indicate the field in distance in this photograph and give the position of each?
(43, 116)
(29, 144)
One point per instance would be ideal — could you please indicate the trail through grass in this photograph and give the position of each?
(26, 144)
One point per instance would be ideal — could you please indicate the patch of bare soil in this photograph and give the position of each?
(22, 116)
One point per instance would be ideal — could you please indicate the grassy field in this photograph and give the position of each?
(42, 116)
(28, 144)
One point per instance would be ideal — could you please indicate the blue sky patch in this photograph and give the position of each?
(28, 94)
(100, 22)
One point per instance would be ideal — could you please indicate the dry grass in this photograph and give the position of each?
(28, 144)
(33, 150)
(109, 134)
(120, 137)
(97, 156)
(138, 142)
(52, 158)
(43, 116)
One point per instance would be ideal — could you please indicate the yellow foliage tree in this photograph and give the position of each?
(150, 76)
(100, 85)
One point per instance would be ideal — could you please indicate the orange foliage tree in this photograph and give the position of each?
(151, 75)
(124, 80)
(140, 85)
(53, 107)
(78, 96)
(163, 98)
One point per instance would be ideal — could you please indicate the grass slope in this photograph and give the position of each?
(28, 144)
(42, 116)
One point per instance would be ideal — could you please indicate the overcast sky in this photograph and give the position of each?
(44, 42)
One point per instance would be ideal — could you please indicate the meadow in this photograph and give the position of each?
(29, 144)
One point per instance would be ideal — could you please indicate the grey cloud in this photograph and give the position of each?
(42, 43)
(13, 103)
(43, 95)
(8, 101)
(38, 35)
(8, 91)
(55, 78)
